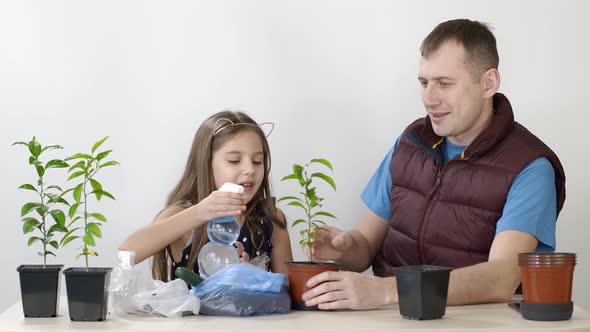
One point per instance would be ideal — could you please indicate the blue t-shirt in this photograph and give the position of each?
(531, 205)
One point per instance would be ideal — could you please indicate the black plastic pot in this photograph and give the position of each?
(88, 295)
(422, 291)
(39, 289)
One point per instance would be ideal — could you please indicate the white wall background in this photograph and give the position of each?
(337, 77)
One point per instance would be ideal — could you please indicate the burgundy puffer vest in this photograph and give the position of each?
(446, 215)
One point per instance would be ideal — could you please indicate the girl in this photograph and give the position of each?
(228, 147)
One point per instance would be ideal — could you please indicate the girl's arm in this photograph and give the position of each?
(281, 248)
(170, 227)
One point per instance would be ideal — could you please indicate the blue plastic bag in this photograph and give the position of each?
(243, 290)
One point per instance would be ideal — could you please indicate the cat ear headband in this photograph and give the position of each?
(222, 123)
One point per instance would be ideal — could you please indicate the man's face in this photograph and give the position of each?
(453, 97)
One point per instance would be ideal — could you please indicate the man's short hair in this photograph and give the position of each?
(478, 41)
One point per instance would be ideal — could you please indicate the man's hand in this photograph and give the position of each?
(349, 290)
(331, 244)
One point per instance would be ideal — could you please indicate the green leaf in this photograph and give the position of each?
(298, 171)
(289, 177)
(34, 147)
(97, 187)
(289, 197)
(54, 187)
(298, 221)
(97, 144)
(102, 193)
(56, 163)
(67, 240)
(78, 192)
(59, 217)
(50, 253)
(98, 216)
(88, 239)
(94, 229)
(28, 207)
(323, 213)
(72, 210)
(51, 147)
(294, 203)
(58, 199)
(32, 240)
(54, 244)
(73, 221)
(79, 164)
(68, 233)
(325, 178)
(42, 210)
(316, 222)
(30, 218)
(109, 163)
(310, 193)
(33, 160)
(30, 225)
(103, 154)
(79, 156)
(56, 228)
(77, 174)
(29, 187)
(40, 170)
(322, 161)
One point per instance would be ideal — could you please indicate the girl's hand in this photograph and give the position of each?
(220, 204)
(244, 257)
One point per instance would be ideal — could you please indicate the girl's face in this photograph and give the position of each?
(240, 160)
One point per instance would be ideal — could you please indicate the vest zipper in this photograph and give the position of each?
(427, 212)
(431, 194)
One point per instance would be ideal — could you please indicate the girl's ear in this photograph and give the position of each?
(490, 81)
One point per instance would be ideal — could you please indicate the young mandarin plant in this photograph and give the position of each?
(49, 196)
(309, 201)
(86, 169)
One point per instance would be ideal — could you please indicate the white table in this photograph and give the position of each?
(484, 317)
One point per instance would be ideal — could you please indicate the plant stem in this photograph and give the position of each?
(85, 219)
(43, 231)
(308, 212)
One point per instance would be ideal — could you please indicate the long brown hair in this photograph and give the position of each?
(197, 182)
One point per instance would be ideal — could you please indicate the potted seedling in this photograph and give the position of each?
(42, 219)
(310, 204)
(87, 287)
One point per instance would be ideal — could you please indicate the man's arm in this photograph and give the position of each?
(494, 280)
(356, 249)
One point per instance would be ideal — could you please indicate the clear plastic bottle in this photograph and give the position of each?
(224, 230)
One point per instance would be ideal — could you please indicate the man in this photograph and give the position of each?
(465, 187)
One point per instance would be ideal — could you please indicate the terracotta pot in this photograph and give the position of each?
(547, 284)
(299, 273)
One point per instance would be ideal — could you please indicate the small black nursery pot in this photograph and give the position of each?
(422, 291)
(88, 293)
(39, 288)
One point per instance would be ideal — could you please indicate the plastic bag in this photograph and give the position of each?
(170, 299)
(132, 290)
(243, 290)
(121, 283)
